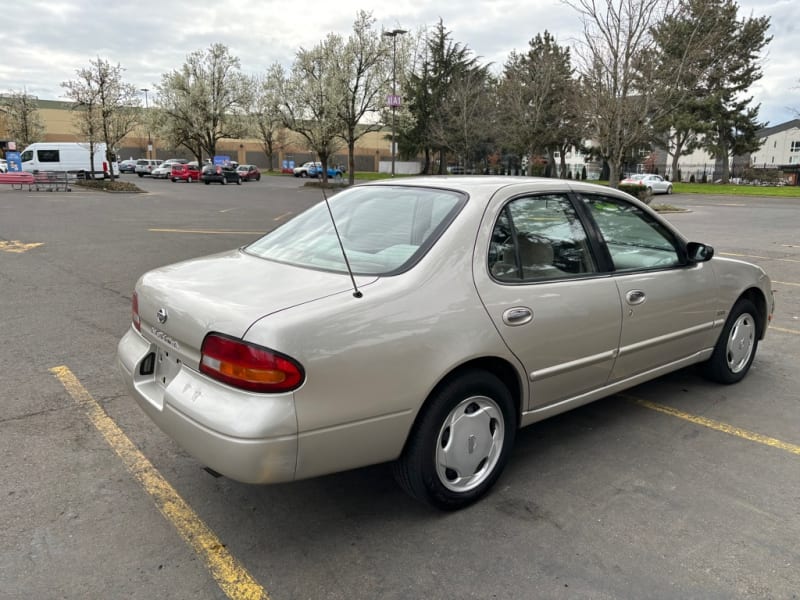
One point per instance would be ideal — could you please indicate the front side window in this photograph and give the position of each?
(539, 238)
(27, 156)
(384, 229)
(47, 155)
(634, 239)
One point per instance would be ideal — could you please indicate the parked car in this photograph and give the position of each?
(220, 174)
(164, 170)
(249, 172)
(3, 165)
(467, 307)
(145, 166)
(655, 183)
(188, 172)
(316, 171)
(302, 170)
(127, 166)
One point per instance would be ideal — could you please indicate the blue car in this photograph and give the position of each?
(333, 172)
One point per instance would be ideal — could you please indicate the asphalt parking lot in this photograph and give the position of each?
(678, 488)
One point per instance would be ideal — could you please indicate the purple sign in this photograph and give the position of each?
(393, 100)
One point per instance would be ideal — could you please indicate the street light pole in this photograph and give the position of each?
(149, 140)
(394, 100)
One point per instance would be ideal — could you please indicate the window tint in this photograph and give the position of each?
(47, 155)
(634, 239)
(382, 228)
(26, 156)
(539, 238)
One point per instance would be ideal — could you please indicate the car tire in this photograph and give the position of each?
(460, 442)
(140, 174)
(303, 174)
(207, 182)
(224, 181)
(239, 181)
(258, 178)
(669, 190)
(737, 344)
(174, 180)
(189, 179)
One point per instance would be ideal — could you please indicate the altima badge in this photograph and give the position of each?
(162, 315)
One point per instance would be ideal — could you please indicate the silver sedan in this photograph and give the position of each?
(654, 183)
(436, 318)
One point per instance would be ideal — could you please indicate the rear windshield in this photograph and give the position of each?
(384, 230)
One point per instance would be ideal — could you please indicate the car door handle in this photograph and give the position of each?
(519, 315)
(635, 297)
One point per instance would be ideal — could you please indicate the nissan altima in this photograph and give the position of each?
(423, 323)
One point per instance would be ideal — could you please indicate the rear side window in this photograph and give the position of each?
(539, 238)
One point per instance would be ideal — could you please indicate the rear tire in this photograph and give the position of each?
(669, 190)
(736, 346)
(460, 442)
(239, 181)
(189, 179)
(224, 181)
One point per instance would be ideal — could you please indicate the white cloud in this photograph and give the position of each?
(45, 42)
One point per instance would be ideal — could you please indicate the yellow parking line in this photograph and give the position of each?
(783, 330)
(205, 231)
(792, 260)
(717, 425)
(230, 575)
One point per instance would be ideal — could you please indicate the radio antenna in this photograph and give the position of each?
(356, 292)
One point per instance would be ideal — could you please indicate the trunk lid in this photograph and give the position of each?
(225, 293)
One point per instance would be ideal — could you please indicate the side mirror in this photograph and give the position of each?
(697, 252)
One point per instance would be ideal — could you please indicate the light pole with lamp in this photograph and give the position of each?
(149, 140)
(394, 99)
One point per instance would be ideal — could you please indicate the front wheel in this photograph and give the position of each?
(224, 181)
(736, 346)
(303, 174)
(460, 442)
(669, 190)
(189, 179)
(207, 182)
(239, 181)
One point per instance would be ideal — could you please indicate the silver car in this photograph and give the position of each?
(444, 314)
(656, 184)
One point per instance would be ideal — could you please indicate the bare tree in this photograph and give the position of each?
(265, 114)
(205, 100)
(108, 108)
(364, 69)
(85, 108)
(465, 125)
(312, 97)
(23, 122)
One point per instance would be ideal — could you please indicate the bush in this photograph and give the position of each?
(637, 191)
(106, 185)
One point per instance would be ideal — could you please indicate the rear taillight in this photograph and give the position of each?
(248, 366)
(135, 319)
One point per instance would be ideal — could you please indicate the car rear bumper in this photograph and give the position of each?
(248, 437)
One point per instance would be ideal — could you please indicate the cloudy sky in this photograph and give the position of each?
(44, 41)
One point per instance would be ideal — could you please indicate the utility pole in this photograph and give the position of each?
(394, 99)
(149, 140)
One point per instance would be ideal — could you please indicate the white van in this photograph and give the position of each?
(68, 156)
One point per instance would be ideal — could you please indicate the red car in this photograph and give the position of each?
(189, 172)
(249, 172)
